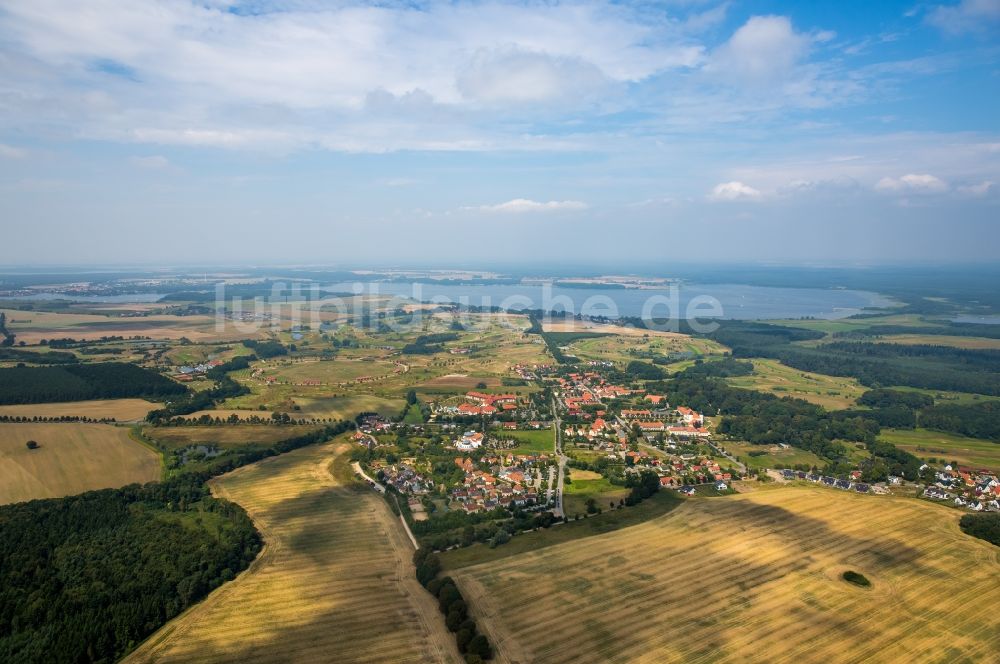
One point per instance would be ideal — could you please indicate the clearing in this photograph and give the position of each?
(756, 573)
(833, 393)
(773, 455)
(71, 458)
(950, 447)
(333, 584)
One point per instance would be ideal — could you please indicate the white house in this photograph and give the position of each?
(471, 440)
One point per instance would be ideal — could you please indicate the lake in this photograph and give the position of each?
(684, 301)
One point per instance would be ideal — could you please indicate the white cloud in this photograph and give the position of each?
(765, 50)
(302, 74)
(520, 205)
(968, 16)
(10, 152)
(912, 184)
(734, 191)
(511, 76)
(982, 189)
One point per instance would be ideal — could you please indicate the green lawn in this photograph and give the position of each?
(951, 447)
(789, 457)
(600, 489)
(541, 441)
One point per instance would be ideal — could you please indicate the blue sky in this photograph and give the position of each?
(339, 132)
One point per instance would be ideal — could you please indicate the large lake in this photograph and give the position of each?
(686, 301)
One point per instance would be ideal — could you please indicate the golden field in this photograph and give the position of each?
(751, 577)
(334, 583)
(122, 410)
(71, 458)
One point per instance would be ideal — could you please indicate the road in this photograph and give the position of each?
(739, 466)
(357, 469)
(558, 511)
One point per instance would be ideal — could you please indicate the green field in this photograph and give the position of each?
(775, 455)
(588, 484)
(541, 441)
(332, 372)
(951, 447)
(831, 392)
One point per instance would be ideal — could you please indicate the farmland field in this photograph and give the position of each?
(71, 458)
(756, 576)
(170, 438)
(123, 410)
(830, 392)
(948, 446)
(333, 584)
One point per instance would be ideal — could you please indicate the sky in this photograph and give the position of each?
(345, 133)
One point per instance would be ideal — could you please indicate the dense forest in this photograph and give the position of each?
(106, 380)
(983, 526)
(86, 578)
(980, 420)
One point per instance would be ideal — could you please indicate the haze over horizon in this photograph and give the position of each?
(258, 132)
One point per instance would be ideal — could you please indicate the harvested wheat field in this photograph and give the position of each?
(122, 410)
(752, 577)
(71, 458)
(333, 584)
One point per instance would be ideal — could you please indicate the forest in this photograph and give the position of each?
(77, 382)
(86, 578)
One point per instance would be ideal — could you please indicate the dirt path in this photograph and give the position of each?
(334, 583)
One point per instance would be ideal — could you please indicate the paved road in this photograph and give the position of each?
(558, 511)
(357, 469)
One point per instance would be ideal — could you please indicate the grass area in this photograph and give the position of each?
(610, 521)
(775, 455)
(588, 484)
(759, 572)
(928, 444)
(235, 435)
(623, 348)
(540, 441)
(319, 591)
(71, 458)
(943, 396)
(332, 372)
(122, 410)
(833, 393)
